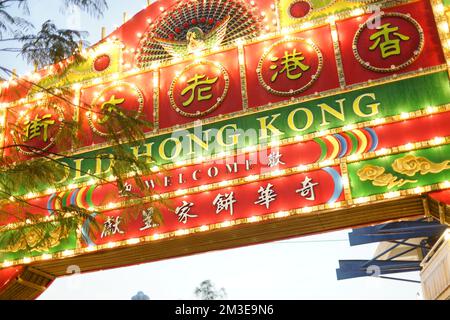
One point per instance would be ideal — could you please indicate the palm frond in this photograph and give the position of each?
(50, 45)
(92, 7)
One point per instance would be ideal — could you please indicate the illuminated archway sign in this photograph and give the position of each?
(309, 122)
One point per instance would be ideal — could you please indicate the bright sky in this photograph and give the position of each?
(302, 268)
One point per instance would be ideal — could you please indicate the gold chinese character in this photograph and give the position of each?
(290, 62)
(110, 106)
(33, 127)
(194, 84)
(389, 47)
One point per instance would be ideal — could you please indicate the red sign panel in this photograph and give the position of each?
(200, 89)
(132, 97)
(34, 129)
(395, 40)
(301, 64)
(245, 201)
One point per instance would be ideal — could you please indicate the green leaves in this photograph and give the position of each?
(11, 25)
(28, 177)
(50, 44)
(208, 291)
(47, 46)
(93, 7)
(47, 169)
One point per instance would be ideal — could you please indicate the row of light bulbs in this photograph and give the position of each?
(295, 28)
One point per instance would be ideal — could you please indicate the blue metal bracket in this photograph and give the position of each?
(397, 233)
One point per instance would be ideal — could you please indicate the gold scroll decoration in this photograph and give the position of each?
(381, 179)
(411, 165)
(408, 165)
(35, 239)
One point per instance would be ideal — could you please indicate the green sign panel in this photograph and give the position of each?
(399, 172)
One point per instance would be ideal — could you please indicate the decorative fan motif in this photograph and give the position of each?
(196, 40)
(197, 25)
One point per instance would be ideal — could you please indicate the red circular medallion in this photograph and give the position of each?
(290, 66)
(199, 89)
(121, 99)
(38, 127)
(102, 63)
(300, 9)
(388, 42)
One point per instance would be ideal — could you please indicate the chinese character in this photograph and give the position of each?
(266, 196)
(33, 127)
(290, 62)
(111, 227)
(389, 47)
(147, 217)
(275, 159)
(308, 189)
(110, 106)
(183, 212)
(224, 202)
(195, 83)
(126, 190)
